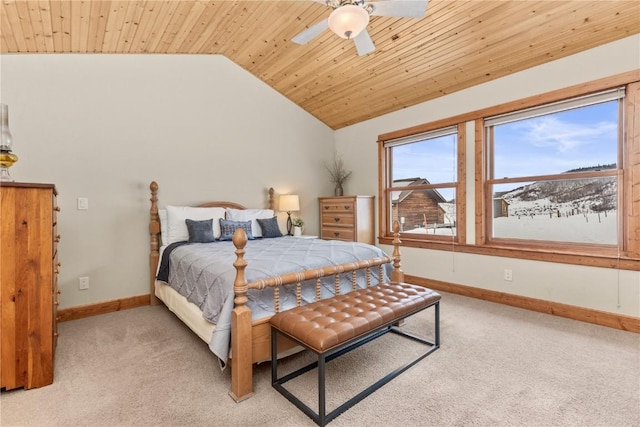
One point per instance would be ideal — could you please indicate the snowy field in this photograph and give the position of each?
(580, 228)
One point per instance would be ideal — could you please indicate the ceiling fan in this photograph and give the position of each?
(349, 19)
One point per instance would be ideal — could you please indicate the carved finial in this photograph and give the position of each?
(154, 196)
(240, 283)
(271, 192)
(239, 238)
(154, 223)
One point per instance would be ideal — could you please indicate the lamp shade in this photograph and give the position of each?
(289, 203)
(348, 21)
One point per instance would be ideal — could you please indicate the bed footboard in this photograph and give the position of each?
(241, 326)
(250, 342)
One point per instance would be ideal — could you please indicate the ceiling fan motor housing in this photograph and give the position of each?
(348, 21)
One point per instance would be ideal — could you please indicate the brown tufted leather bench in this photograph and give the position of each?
(334, 326)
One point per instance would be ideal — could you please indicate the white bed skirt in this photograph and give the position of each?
(191, 316)
(186, 311)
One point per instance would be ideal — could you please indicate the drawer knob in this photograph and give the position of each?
(346, 207)
(336, 219)
(336, 233)
(326, 207)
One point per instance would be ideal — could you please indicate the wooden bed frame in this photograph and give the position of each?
(257, 333)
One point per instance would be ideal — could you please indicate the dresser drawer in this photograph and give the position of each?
(338, 206)
(332, 233)
(338, 219)
(55, 239)
(56, 209)
(348, 218)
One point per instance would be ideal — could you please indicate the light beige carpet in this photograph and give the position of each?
(498, 366)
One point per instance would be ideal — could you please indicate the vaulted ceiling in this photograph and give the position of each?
(457, 44)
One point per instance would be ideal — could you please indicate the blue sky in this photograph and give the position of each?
(434, 159)
(543, 145)
(558, 142)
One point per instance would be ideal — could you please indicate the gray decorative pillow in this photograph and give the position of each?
(270, 227)
(228, 227)
(200, 231)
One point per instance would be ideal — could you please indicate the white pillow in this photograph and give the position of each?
(164, 230)
(250, 215)
(177, 227)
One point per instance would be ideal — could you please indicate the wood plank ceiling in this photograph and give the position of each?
(457, 44)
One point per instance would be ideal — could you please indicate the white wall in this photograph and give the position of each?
(602, 289)
(105, 126)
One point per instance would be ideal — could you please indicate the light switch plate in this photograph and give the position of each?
(83, 203)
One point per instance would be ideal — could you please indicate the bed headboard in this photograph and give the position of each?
(155, 233)
(233, 205)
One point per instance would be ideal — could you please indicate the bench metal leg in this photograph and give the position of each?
(321, 417)
(322, 409)
(437, 324)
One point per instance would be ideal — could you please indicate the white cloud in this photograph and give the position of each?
(551, 132)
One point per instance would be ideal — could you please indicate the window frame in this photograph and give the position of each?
(386, 187)
(490, 180)
(475, 242)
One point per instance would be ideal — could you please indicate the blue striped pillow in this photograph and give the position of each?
(228, 227)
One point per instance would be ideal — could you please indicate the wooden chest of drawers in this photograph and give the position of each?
(28, 284)
(348, 218)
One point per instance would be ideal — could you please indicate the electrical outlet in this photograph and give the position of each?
(83, 283)
(508, 275)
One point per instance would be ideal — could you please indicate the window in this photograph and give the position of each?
(555, 178)
(554, 172)
(422, 179)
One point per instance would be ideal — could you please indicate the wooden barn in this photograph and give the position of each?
(413, 207)
(500, 207)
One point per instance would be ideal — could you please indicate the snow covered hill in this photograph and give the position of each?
(563, 198)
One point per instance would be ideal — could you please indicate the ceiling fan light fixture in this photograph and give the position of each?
(348, 21)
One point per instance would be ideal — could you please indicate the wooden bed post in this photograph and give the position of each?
(154, 231)
(241, 339)
(397, 275)
(270, 203)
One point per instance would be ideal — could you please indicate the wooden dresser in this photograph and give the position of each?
(348, 218)
(28, 284)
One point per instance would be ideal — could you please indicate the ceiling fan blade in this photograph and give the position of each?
(311, 32)
(363, 42)
(399, 8)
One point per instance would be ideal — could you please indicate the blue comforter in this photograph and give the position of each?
(204, 274)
